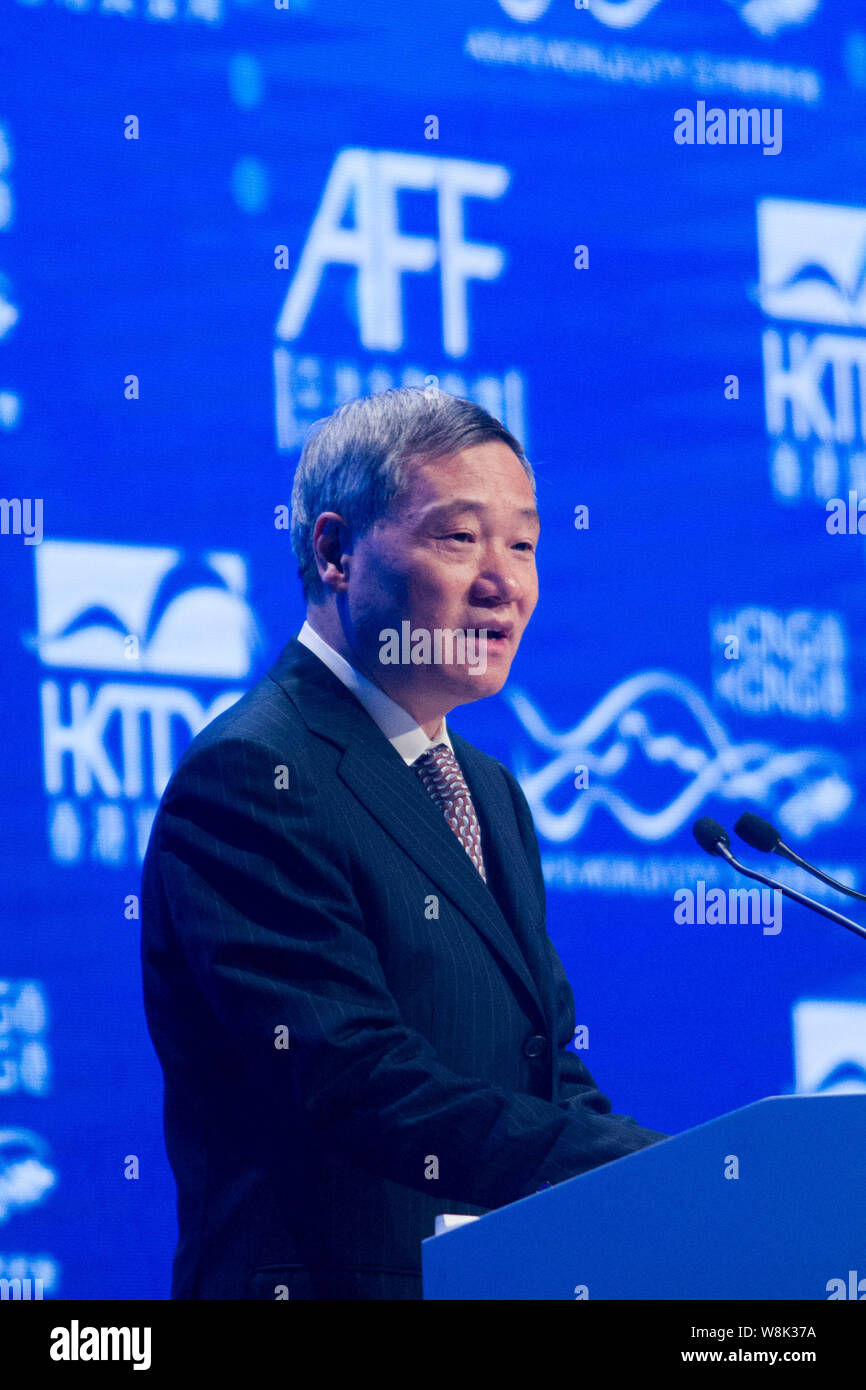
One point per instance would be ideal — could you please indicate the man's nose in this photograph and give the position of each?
(507, 584)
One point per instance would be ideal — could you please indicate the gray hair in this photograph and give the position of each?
(356, 461)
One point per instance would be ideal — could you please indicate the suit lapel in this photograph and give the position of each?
(392, 793)
(504, 854)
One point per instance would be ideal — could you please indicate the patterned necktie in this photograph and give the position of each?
(442, 779)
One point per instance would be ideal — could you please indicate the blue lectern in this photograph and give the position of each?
(768, 1202)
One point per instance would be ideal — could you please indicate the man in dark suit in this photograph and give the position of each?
(361, 1020)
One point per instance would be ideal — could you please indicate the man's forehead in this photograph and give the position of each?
(458, 483)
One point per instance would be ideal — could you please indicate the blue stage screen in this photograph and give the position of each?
(220, 220)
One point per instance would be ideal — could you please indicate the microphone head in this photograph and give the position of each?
(757, 832)
(709, 834)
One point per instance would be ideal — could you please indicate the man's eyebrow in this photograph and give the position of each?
(468, 504)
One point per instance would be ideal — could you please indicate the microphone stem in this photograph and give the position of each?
(791, 893)
(785, 853)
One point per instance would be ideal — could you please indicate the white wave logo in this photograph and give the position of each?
(764, 16)
(830, 1046)
(812, 261)
(768, 16)
(621, 14)
(9, 314)
(190, 617)
(616, 14)
(803, 789)
(25, 1175)
(525, 11)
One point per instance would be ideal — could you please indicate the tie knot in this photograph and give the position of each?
(438, 754)
(439, 770)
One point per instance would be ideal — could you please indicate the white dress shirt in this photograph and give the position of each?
(396, 723)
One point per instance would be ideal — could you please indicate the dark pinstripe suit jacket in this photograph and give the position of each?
(355, 1032)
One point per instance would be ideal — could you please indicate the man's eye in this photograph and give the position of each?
(524, 545)
(459, 535)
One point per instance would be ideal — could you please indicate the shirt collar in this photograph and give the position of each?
(397, 724)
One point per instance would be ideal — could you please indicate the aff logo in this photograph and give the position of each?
(765, 16)
(368, 183)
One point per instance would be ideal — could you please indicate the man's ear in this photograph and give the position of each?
(332, 547)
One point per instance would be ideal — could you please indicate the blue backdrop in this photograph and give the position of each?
(218, 220)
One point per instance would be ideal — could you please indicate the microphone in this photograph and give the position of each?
(715, 840)
(760, 834)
